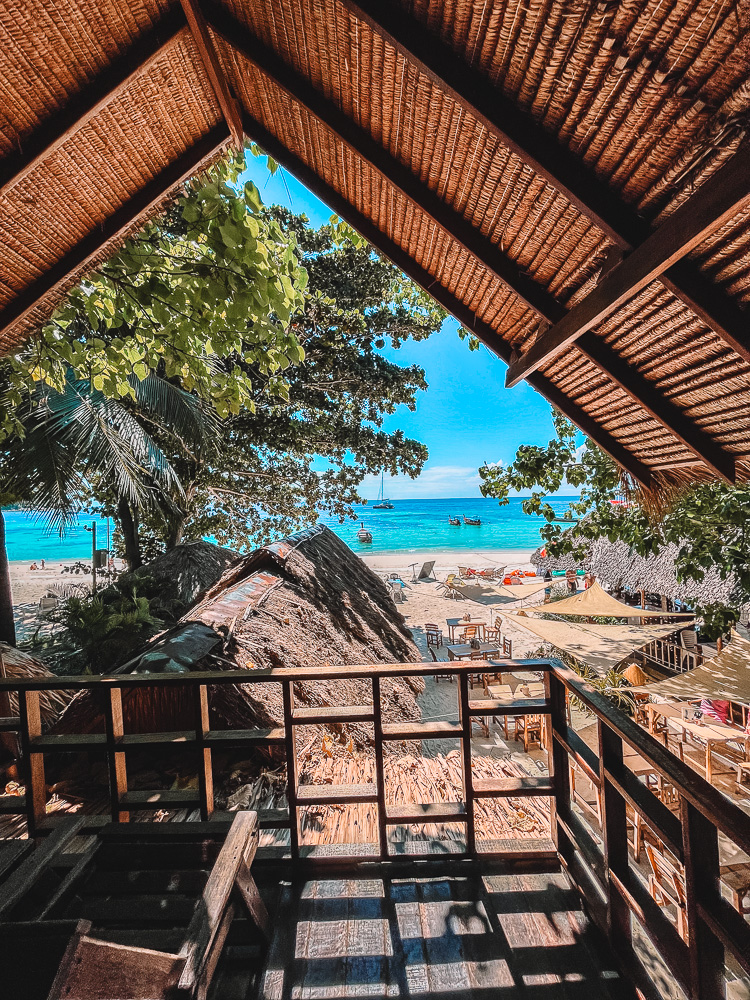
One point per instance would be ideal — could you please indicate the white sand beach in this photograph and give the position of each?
(447, 562)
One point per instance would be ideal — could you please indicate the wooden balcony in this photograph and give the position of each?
(567, 917)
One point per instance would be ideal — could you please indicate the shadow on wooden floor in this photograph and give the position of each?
(445, 938)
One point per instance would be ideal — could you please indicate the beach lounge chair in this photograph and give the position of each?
(426, 571)
(451, 589)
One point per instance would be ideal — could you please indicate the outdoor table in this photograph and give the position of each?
(455, 624)
(709, 733)
(736, 878)
(463, 651)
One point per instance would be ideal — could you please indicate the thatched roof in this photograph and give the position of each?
(616, 568)
(304, 601)
(184, 573)
(503, 155)
(19, 665)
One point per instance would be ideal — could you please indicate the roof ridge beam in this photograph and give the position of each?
(212, 65)
(458, 309)
(62, 272)
(714, 203)
(540, 150)
(85, 105)
(537, 298)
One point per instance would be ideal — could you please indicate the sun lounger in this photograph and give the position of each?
(426, 571)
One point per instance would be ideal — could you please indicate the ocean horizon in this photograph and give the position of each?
(412, 526)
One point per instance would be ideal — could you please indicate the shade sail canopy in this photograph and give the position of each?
(465, 141)
(600, 646)
(726, 677)
(596, 602)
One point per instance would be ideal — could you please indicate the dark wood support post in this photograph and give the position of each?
(377, 711)
(615, 832)
(700, 841)
(36, 785)
(559, 758)
(465, 719)
(118, 774)
(205, 763)
(291, 768)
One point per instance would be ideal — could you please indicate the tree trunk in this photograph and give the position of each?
(175, 529)
(7, 621)
(129, 527)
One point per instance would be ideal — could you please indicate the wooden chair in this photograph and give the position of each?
(434, 634)
(508, 649)
(529, 727)
(666, 885)
(445, 677)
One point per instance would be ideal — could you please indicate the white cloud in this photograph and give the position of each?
(436, 481)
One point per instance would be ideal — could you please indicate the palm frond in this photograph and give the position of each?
(176, 411)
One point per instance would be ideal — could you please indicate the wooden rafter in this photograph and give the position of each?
(212, 65)
(453, 223)
(722, 196)
(565, 172)
(483, 331)
(62, 273)
(111, 82)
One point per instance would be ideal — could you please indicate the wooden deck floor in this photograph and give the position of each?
(446, 938)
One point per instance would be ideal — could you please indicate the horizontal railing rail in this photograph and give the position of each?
(597, 859)
(670, 655)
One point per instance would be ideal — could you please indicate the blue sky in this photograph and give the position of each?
(467, 416)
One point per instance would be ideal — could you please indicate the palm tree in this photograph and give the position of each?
(78, 434)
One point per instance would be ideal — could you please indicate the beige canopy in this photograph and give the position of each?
(597, 602)
(600, 646)
(726, 676)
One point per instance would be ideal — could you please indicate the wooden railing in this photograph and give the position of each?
(597, 858)
(672, 656)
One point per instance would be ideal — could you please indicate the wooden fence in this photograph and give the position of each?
(598, 862)
(672, 656)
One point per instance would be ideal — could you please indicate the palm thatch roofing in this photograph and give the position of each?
(570, 181)
(304, 601)
(184, 573)
(19, 665)
(618, 568)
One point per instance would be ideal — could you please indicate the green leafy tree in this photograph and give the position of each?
(708, 521)
(261, 481)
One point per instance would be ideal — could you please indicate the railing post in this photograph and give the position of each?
(205, 763)
(559, 759)
(36, 785)
(615, 833)
(377, 711)
(700, 841)
(465, 719)
(118, 775)
(291, 768)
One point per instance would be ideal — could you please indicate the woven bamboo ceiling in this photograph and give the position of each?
(569, 178)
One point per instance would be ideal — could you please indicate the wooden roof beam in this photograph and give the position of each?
(453, 223)
(212, 65)
(108, 85)
(518, 132)
(483, 331)
(61, 274)
(722, 196)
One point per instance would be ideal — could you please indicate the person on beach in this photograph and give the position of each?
(33, 566)
(572, 580)
(41, 563)
(548, 588)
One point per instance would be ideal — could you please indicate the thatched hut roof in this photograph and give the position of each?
(617, 567)
(304, 601)
(19, 665)
(184, 573)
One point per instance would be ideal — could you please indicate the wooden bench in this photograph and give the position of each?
(141, 875)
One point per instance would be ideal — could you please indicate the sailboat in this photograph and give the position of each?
(382, 503)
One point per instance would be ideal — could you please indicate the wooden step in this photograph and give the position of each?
(338, 853)
(426, 812)
(12, 805)
(308, 795)
(421, 730)
(507, 706)
(504, 787)
(323, 716)
(244, 737)
(160, 798)
(10, 724)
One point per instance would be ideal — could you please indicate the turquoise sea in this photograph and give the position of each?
(412, 526)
